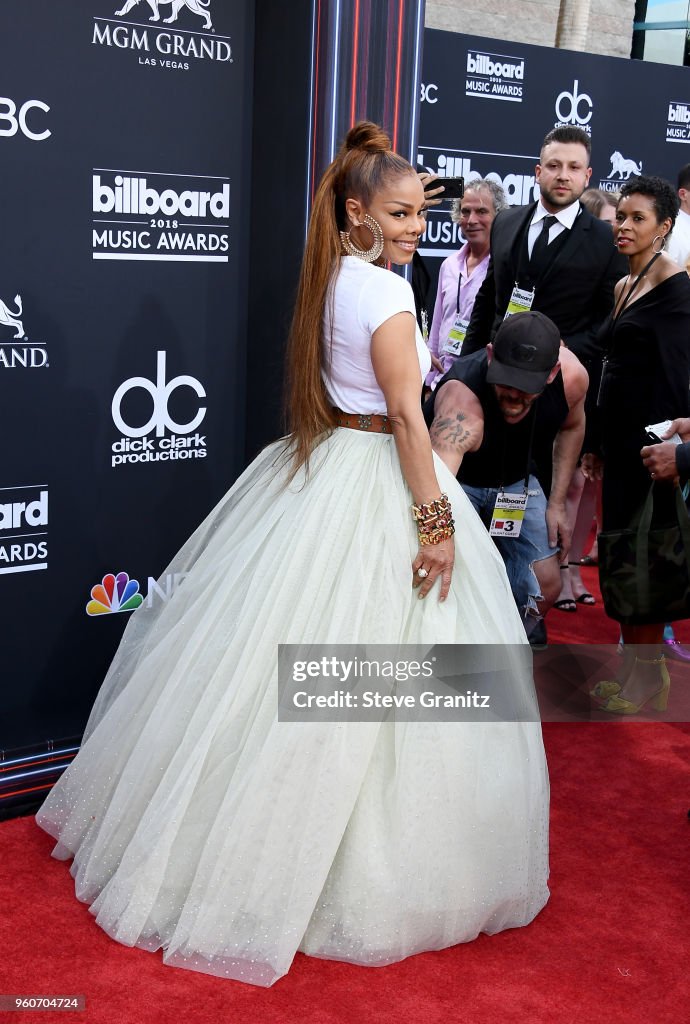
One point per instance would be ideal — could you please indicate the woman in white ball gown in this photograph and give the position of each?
(199, 823)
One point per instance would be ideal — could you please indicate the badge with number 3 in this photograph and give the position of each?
(508, 515)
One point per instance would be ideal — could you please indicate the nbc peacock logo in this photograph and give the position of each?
(115, 593)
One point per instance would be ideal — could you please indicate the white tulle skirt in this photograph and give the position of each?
(201, 824)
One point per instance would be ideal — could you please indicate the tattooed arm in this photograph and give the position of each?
(458, 425)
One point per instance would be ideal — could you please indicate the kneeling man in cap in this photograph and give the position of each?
(509, 422)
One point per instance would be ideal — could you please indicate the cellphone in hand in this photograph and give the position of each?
(453, 188)
(655, 432)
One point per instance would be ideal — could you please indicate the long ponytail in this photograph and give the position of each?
(364, 165)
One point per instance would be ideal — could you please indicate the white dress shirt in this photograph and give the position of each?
(565, 219)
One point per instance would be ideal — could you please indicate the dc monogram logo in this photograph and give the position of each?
(160, 393)
(199, 7)
(574, 107)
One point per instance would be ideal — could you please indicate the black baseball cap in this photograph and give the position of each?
(525, 351)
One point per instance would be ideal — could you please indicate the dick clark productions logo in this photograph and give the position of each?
(171, 440)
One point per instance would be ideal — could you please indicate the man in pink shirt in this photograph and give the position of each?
(462, 273)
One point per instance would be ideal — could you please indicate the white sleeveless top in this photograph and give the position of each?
(362, 299)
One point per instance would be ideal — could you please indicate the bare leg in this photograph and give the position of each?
(581, 531)
(548, 576)
(593, 552)
(583, 521)
(645, 675)
(572, 504)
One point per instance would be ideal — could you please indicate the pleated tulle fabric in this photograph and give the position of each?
(201, 824)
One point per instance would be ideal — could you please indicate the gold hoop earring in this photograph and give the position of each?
(663, 244)
(368, 255)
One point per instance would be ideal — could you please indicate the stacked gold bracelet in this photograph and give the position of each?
(434, 521)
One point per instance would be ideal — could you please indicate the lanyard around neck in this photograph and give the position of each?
(457, 297)
(626, 298)
(533, 414)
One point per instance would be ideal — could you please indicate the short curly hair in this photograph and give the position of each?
(660, 191)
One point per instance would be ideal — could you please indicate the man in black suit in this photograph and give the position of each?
(555, 258)
(553, 255)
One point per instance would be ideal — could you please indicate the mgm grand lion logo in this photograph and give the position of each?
(8, 319)
(199, 7)
(622, 167)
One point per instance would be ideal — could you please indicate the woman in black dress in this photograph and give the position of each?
(645, 381)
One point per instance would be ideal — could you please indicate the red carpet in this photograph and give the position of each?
(590, 624)
(612, 945)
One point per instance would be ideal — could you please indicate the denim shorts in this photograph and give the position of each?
(531, 546)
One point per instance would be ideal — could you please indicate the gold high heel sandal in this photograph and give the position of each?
(605, 689)
(658, 700)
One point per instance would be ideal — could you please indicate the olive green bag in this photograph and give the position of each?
(644, 573)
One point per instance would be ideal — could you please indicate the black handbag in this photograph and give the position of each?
(644, 573)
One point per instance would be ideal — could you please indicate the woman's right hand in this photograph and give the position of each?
(436, 560)
(432, 196)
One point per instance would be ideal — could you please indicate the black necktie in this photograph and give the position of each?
(538, 259)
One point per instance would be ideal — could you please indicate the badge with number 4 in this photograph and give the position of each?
(508, 515)
(456, 336)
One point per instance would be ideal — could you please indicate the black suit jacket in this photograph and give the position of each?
(575, 291)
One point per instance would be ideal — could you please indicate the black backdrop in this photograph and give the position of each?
(487, 104)
(88, 488)
(87, 95)
(154, 188)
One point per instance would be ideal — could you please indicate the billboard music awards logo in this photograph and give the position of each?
(118, 593)
(160, 438)
(513, 172)
(574, 108)
(15, 356)
(23, 533)
(678, 122)
(141, 26)
(494, 76)
(152, 215)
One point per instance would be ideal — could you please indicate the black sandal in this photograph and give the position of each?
(565, 604)
(585, 597)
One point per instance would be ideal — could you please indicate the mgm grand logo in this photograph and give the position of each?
(18, 356)
(622, 168)
(199, 7)
(192, 38)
